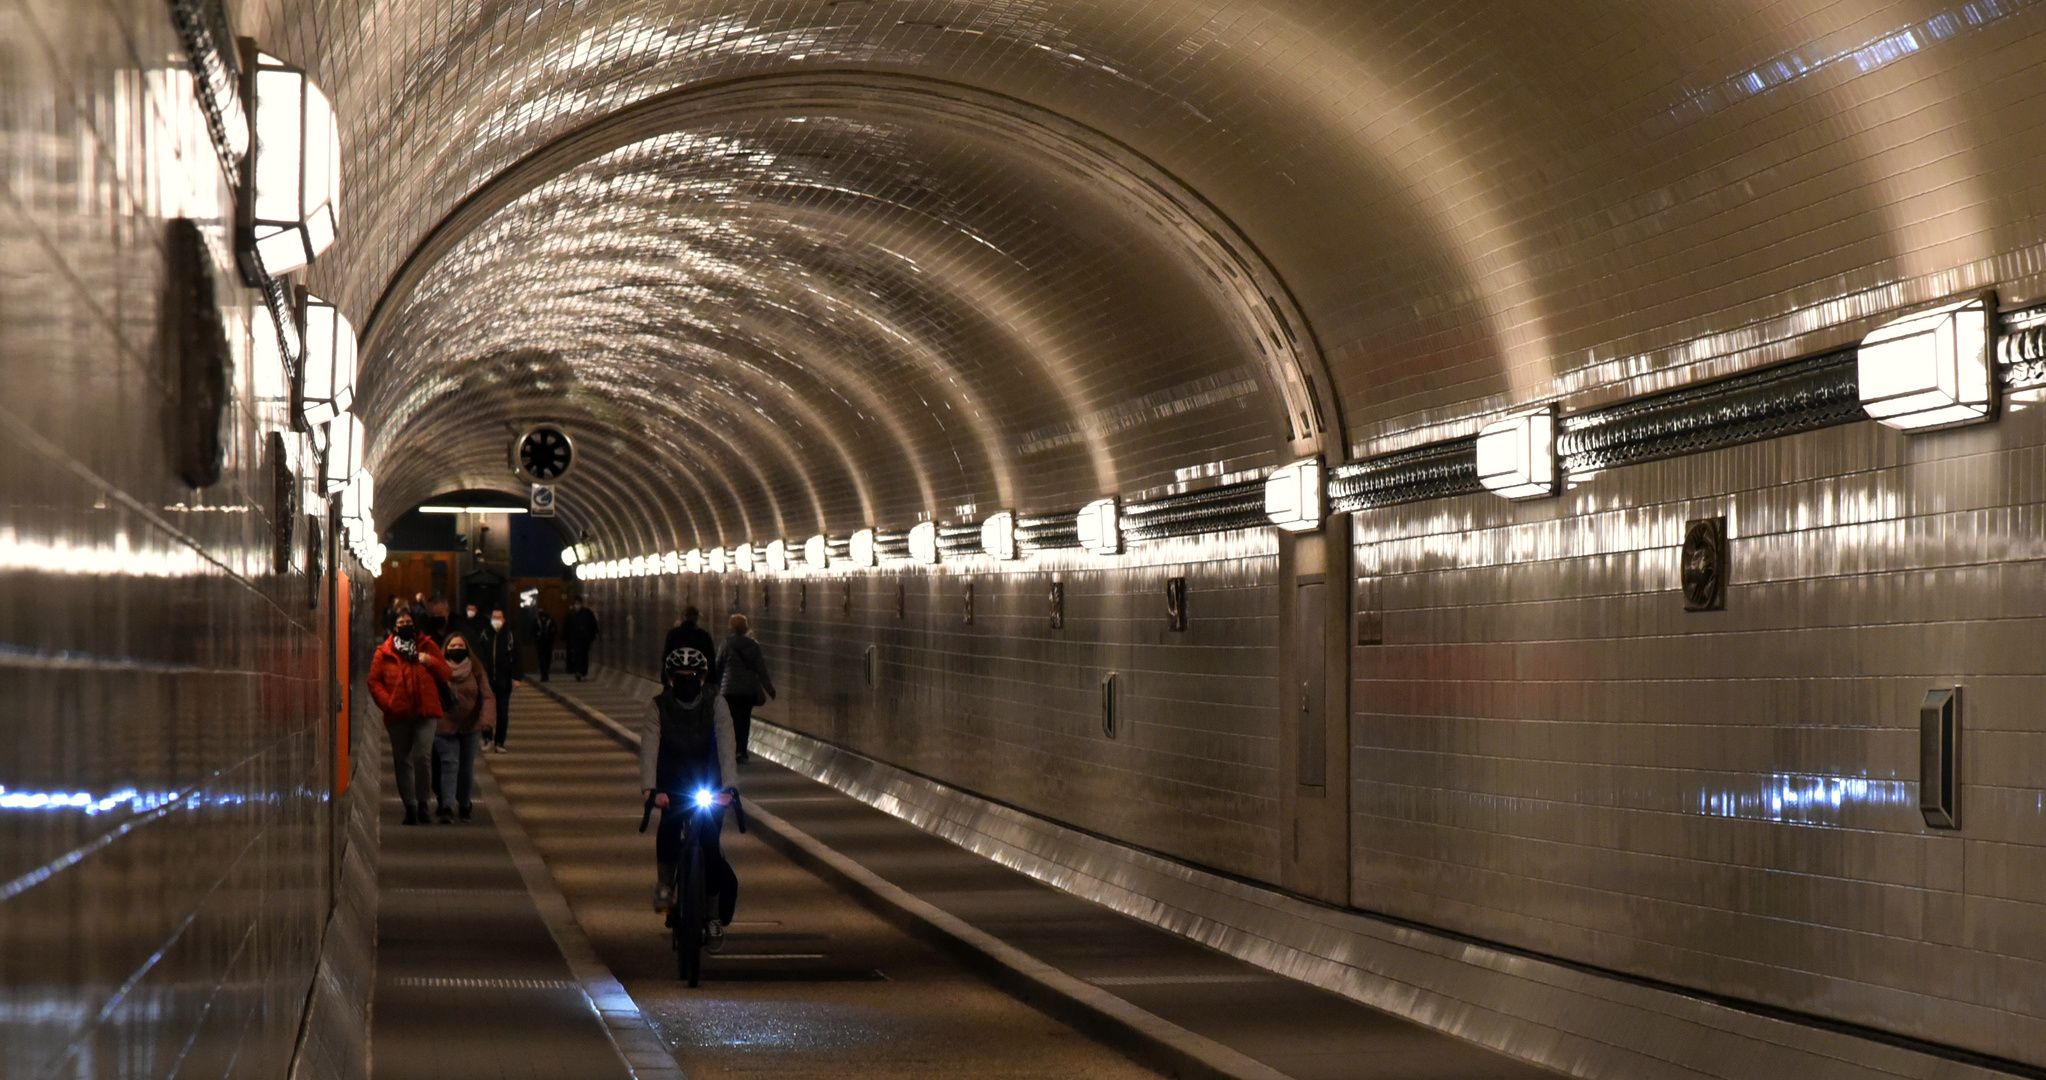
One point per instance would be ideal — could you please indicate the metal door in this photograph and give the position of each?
(1314, 797)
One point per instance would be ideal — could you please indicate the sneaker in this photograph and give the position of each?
(664, 895)
(716, 943)
(446, 815)
(466, 808)
(411, 816)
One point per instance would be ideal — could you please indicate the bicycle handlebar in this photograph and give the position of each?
(646, 812)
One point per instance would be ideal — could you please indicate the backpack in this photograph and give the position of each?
(689, 743)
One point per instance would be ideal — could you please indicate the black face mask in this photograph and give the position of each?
(456, 656)
(408, 632)
(685, 688)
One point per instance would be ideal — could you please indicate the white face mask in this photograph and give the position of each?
(497, 624)
(472, 613)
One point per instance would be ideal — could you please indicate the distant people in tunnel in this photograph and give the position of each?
(497, 646)
(581, 631)
(543, 640)
(436, 624)
(406, 678)
(690, 634)
(746, 683)
(469, 625)
(461, 730)
(391, 613)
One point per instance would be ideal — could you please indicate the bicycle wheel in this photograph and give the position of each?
(695, 910)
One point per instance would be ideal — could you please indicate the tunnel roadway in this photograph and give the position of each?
(811, 983)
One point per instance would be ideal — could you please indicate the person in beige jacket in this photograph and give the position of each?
(461, 730)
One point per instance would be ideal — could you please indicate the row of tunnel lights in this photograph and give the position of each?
(1927, 371)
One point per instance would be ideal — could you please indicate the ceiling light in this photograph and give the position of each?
(694, 560)
(328, 386)
(1294, 498)
(817, 552)
(1930, 370)
(743, 555)
(718, 563)
(671, 563)
(862, 549)
(923, 543)
(344, 451)
(998, 535)
(1517, 455)
(292, 173)
(1100, 527)
(482, 510)
(568, 555)
(777, 556)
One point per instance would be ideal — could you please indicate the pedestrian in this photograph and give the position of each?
(391, 611)
(405, 679)
(461, 730)
(469, 625)
(581, 632)
(746, 683)
(436, 625)
(498, 648)
(689, 634)
(543, 640)
(419, 611)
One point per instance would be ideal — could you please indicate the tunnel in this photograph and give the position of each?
(1224, 538)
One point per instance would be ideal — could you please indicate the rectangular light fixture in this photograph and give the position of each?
(777, 556)
(1930, 370)
(998, 535)
(1100, 527)
(692, 560)
(477, 510)
(1295, 496)
(327, 388)
(817, 552)
(637, 567)
(569, 557)
(923, 543)
(862, 549)
(718, 562)
(1517, 455)
(745, 557)
(292, 183)
(344, 451)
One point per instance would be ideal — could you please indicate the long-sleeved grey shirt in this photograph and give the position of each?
(650, 745)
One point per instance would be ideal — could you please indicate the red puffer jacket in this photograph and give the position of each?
(404, 689)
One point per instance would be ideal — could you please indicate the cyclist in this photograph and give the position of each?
(686, 747)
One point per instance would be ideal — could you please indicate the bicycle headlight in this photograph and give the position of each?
(704, 798)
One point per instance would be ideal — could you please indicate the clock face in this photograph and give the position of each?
(544, 454)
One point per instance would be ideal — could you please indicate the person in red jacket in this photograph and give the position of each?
(405, 679)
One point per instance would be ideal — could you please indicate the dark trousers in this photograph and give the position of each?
(742, 722)
(503, 691)
(546, 651)
(578, 660)
(717, 872)
(411, 759)
(455, 768)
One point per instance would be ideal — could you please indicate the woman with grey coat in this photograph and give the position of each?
(746, 683)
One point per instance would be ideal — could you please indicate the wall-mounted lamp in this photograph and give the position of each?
(328, 388)
(569, 557)
(1100, 527)
(344, 451)
(745, 558)
(671, 562)
(998, 535)
(693, 560)
(1295, 497)
(777, 556)
(862, 549)
(1930, 370)
(817, 552)
(718, 562)
(923, 543)
(291, 176)
(1517, 455)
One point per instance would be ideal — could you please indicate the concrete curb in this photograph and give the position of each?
(1141, 1035)
(639, 1046)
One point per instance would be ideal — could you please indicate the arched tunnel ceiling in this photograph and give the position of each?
(1473, 204)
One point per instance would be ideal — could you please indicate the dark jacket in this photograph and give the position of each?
(672, 754)
(498, 650)
(744, 667)
(543, 631)
(475, 705)
(406, 689)
(690, 635)
(581, 628)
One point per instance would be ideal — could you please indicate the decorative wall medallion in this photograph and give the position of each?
(766, 598)
(969, 603)
(315, 561)
(1705, 565)
(901, 599)
(1058, 605)
(283, 504)
(192, 339)
(543, 454)
(1175, 603)
(845, 600)
(738, 598)
(802, 597)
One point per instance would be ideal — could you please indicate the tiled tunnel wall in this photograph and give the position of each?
(163, 811)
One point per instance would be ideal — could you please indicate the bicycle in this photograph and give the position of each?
(689, 914)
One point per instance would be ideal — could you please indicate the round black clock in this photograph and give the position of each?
(543, 454)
